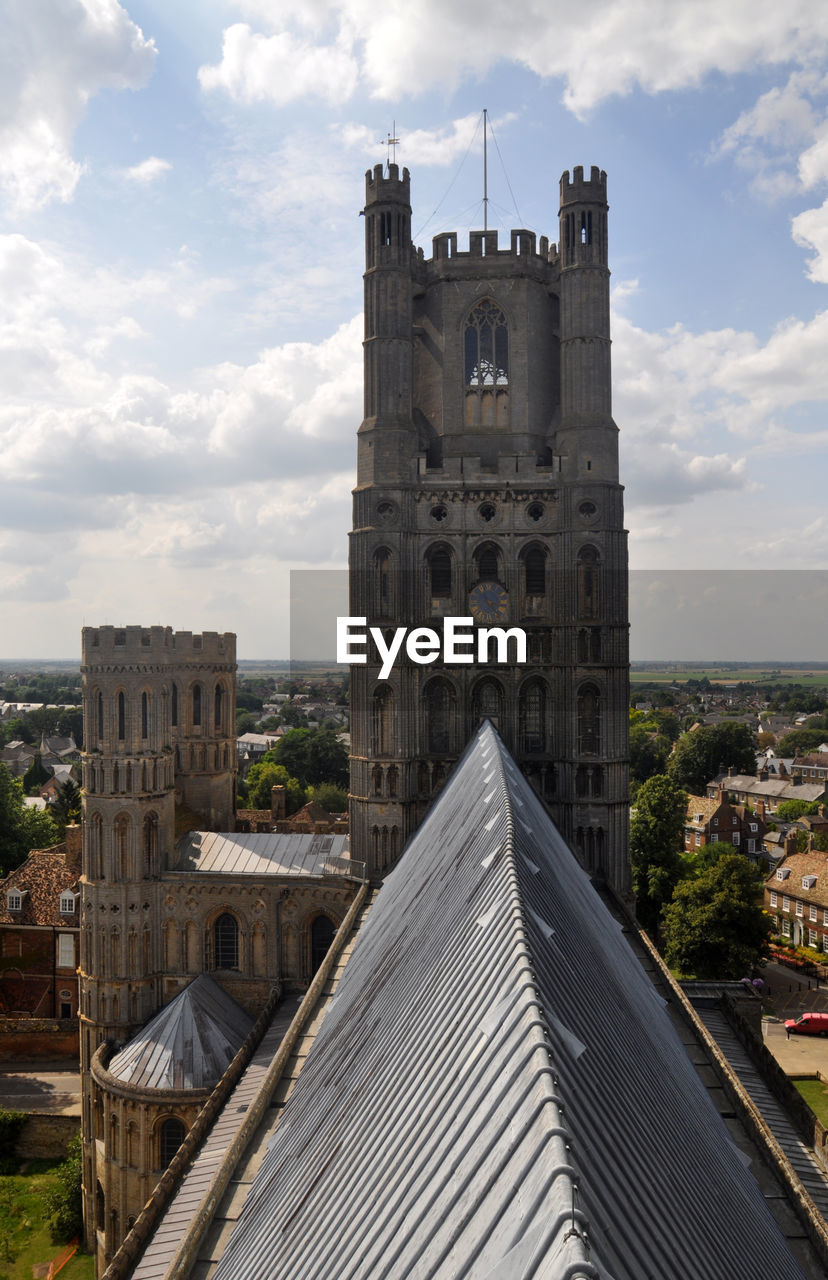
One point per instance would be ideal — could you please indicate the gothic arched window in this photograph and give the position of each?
(100, 715)
(196, 704)
(534, 572)
(171, 1137)
(486, 366)
(589, 720)
(151, 845)
(122, 847)
(588, 583)
(382, 722)
(486, 346)
(144, 715)
(439, 569)
(382, 603)
(226, 938)
(322, 935)
(438, 715)
(218, 708)
(488, 702)
(174, 705)
(488, 562)
(121, 716)
(533, 716)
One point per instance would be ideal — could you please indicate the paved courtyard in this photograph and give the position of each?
(791, 994)
(53, 1087)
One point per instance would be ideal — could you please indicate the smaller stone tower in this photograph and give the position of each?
(203, 707)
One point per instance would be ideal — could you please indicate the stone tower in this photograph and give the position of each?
(488, 487)
(158, 724)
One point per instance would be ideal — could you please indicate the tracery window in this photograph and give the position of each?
(226, 936)
(588, 583)
(533, 716)
(486, 365)
(172, 1135)
(439, 566)
(438, 711)
(488, 702)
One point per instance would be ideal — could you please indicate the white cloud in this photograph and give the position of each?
(429, 146)
(148, 170)
(50, 66)
(764, 139)
(600, 49)
(280, 68)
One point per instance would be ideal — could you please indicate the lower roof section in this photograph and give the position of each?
(497, 1090)
(267, 853)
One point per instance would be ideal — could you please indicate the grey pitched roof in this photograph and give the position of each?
(259, 854)
(497, 1090)
(189, 1044)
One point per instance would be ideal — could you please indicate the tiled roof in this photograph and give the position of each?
(189, 1044)
(497, 1091)
(800, 865)
(44, 875)
(704, 805)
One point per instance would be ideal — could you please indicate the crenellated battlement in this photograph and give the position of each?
(154, 644)
(523, 244)
(209, 646)
(379, 188)
(580, 189)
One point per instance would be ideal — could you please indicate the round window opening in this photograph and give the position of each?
(588, 510)
(487, 512)
(438, 514)
(535, 511)
(386, 511)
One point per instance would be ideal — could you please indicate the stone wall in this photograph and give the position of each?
(38, 1038)
(45, 1137)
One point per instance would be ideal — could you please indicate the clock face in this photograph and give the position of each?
(488, 602)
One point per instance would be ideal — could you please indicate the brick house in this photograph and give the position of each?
(40, 932)
(796, 899)
(714, 820)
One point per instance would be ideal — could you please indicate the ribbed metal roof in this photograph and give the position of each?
(497, 1089)
(268, 853)
(189, 1044)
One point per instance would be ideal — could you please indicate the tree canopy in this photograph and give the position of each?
(713, 749)
(266, 774)
(715, 926)
(313, 756)
(656, 831)
(800, 741)
(790, 810)
(21, 828)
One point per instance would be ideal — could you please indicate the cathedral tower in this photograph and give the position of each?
(487, 487)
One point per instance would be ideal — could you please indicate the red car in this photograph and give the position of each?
(808, 1024)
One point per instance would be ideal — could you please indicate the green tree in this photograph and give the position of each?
(21, 828)
(64, 1203)
(332, 798)
(656, 831)
(713, 749)
(649, 752)
(715, 926)
(790, 810)
(313, 756)
(263, 776)
(35, 775)
(800, 741)
(67, 806)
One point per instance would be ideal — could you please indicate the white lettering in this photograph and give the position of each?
(386, 652)
(501, 639)
(452, 638)
(344, 640)
(422, 645)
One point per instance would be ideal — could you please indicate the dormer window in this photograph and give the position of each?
(808, 882)
(67, 903)
(14, 899)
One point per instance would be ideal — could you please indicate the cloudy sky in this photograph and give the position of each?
(181, 257)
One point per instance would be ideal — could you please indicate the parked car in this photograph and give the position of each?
(808, 1024)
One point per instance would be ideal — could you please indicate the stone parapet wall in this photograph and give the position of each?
(27, 1038)
(45, 1137)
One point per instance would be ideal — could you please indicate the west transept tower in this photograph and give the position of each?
(488, 487)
